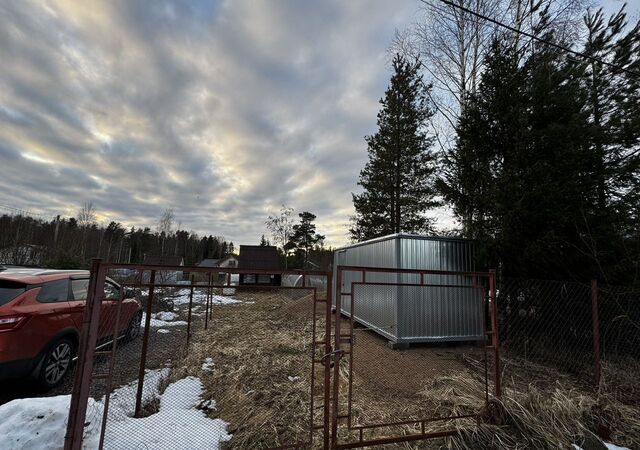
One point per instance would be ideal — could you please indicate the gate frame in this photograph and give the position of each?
(91, 319)
(340, 352)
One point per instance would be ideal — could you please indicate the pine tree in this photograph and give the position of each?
(305, 237)
(397, 180)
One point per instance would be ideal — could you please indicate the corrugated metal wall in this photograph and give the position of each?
(415, 313)
(375, 306)
(438, 313)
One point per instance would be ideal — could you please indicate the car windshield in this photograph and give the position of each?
(10, 290)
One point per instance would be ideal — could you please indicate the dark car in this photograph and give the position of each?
(41, 316)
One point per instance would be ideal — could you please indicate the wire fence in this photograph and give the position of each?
(203, 364)
(586, 334)
(619, 323)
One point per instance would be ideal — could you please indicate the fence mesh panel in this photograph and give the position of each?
(207, 367)
(547, 334)
(619, 314)
(415, 356)
(545, 324)
(189, 365)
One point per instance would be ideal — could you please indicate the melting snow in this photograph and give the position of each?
(159, 323)
(208, 364)
(165, 315)
(199, 296)
(609, 446)
(178, 424)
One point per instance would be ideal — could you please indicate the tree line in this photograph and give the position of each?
(70, 243)
(299, 244)
(542, 165)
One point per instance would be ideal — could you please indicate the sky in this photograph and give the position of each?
(220, 110)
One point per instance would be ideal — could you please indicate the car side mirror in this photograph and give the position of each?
(129, 293)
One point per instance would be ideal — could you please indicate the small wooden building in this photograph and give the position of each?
(263, 258)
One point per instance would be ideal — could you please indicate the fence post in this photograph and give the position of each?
(495, 335)
(145, 345)
(84, 368)
(596, 331)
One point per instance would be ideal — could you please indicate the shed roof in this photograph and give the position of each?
(258, 257)
(405, 236)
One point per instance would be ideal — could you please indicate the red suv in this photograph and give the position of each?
(41, 316)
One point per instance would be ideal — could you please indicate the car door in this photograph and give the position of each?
(78, 299)
(78, 302)
(109, 310)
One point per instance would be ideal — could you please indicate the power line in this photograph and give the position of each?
(534, 37)
(25, 212)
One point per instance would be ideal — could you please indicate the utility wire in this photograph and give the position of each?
(534, 37)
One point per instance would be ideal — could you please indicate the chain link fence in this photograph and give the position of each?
(202, 363)
(619, 324)
(585, 334)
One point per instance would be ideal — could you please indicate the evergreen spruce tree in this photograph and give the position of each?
(305, 237)
(397, 180)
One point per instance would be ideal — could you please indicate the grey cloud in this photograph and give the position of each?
(220, 110)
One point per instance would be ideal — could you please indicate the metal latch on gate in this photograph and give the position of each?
(334, 356)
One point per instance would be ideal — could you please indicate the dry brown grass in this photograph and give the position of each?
(258, 344)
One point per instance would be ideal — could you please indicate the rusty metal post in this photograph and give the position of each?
(206, 303)
(327, 365)
(189, 314)
(496, 338)
(211, 294)
(112, 361)
(84, 369)
(595, 318)
(145, 345)
(336, 357)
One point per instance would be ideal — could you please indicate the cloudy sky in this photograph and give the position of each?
(221, 110)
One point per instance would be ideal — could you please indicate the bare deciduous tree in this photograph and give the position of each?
(281, 227)
(165, 226)
(451, 44)
(87, 215)
(86, 218)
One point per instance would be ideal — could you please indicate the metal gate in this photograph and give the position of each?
(264, 365)
(259, 353)
(404, 306)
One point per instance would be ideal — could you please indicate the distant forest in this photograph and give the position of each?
(69, 243)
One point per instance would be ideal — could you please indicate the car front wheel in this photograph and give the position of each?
(135, 325)
(56, 363)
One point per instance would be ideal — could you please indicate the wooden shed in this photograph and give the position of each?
(263, 258)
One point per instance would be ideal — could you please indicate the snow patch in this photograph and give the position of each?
(163, 331)
(159, 323)
(42, 423)
(165, 315)
(199, 296)
(608, 445)
(180, 422)
(208, 364)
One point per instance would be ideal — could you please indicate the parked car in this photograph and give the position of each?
(41, 315)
